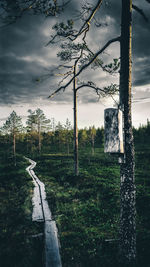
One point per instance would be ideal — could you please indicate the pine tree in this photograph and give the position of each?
(37, 123)
(68, 134)
(13, 126)
(92, 135)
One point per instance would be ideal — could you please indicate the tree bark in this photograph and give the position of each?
(14, 148)
(127, 186)
(68, 147)
(76, 169)
(39, 137)
(93, 145)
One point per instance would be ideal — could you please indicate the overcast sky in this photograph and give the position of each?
(25, 58)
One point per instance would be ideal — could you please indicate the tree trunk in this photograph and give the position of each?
(93, 144)
(75, 125)
(14, 148)
(27, 145)
(68, 147)
(127, 186)
(39, 137)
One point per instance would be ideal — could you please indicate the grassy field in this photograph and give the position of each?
(86, 209)
(17, 246)
(142, 178)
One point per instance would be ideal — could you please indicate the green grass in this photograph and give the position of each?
(86, 208)
(17, 246)
(142, 176)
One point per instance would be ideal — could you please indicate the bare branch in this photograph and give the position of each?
(109, 68)
(141, 12)
(117, 39)
(65, 76)
(99, 24)
(116, 103)
(106, 91)
(86, 24)
(69, 73)
(64, 66)
(67, 31)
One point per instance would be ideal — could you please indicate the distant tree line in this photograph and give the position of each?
(44, 135)
(141, 136)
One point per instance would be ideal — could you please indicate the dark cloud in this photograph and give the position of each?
(141, 72)
(141, 46)
(24, 57)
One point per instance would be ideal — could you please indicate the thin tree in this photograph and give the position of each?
(31, 129)
(127, 184)
(76, 156)
(92, 135)
(79, 54)
(83, 137)
(127, 168)
(59, 134)
(38, 122)
(68, 130)
(13, 126)
(42, 123)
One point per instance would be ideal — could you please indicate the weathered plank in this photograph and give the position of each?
(37, 213)
(41, 212)
(51, 245)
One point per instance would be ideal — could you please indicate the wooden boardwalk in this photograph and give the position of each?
(42, 213)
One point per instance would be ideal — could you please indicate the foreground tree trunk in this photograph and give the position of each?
(76, 169)
(127, 189)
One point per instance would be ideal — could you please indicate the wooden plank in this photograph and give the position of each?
(37, 213)
(52, 256)
(41, 212)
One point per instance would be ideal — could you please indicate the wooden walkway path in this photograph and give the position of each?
(42, 213)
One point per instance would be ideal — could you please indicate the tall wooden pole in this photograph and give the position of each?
(127, 186)
(76, 168)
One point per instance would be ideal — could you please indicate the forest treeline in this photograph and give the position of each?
(43, 135)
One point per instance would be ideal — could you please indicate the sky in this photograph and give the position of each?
(27, 65)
